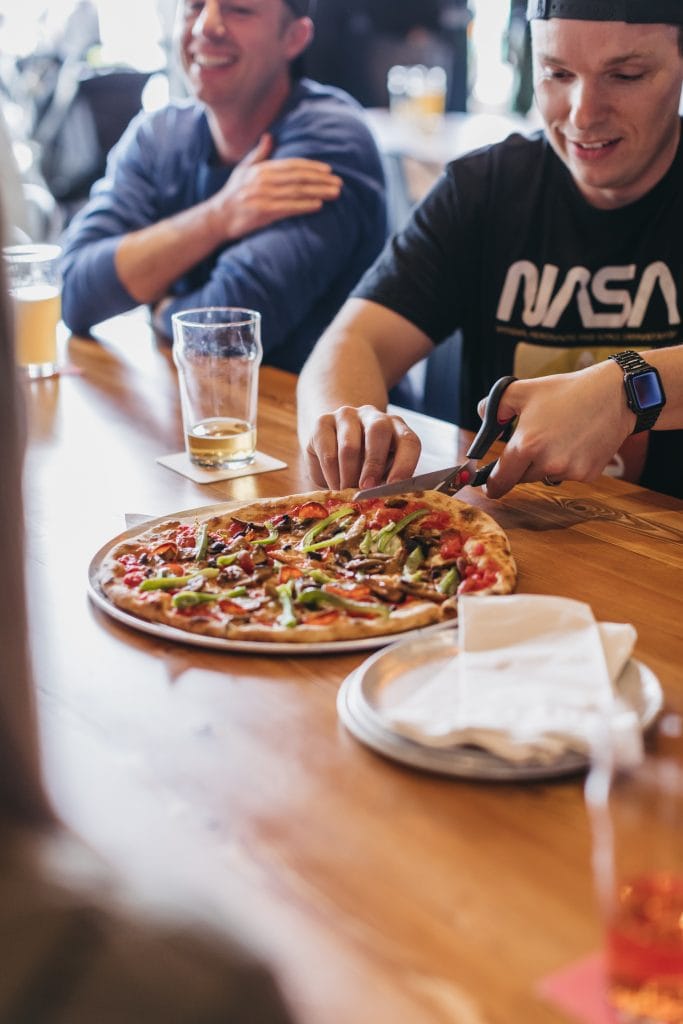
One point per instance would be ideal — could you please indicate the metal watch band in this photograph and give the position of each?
(630, 361)
(633, 362)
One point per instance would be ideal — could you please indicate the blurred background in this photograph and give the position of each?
(74, 72)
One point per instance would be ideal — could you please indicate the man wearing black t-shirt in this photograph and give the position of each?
(550, 253)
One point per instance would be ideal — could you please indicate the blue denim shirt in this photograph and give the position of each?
(296, 272)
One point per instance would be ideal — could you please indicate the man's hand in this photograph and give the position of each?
(360, 447)
(366, 349)
(261, 191)
(258, 192)
(569, 427)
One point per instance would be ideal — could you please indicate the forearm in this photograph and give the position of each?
(364, 352)
(150, 260)
(342, 370)
(91, 289)
(612, 399)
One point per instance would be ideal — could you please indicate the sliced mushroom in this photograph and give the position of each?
(392, 593)
(420, 590)
(370, 564)
(357, 529)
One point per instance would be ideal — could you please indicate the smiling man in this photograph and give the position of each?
(262, 190)
(550, 253)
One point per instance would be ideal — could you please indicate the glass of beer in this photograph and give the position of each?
(217, 351)
(636, 811)
(418, 94)
(35, 286)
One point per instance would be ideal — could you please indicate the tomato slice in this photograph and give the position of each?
(245, 562)
(168, 548)
(477, 581)
(383, 516)
(176, 568)
(475, 548)
(289, 572)
(134, 578)
(356, 592)
(231, 607)
(310, 510)
(185, 536)
(322, 618)
(234, 529)
(451, 545)
(435, 521)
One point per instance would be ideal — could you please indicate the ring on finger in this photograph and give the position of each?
(551, 483)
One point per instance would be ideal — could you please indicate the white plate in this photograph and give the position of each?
(397, 672)
(164, 632)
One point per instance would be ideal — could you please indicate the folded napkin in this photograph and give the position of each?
(534, 678)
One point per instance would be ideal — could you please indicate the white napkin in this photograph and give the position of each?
(534, 679)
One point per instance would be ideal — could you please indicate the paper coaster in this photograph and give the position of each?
(180, 463)
(579, 990)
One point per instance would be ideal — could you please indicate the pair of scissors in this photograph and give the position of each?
(467, 474)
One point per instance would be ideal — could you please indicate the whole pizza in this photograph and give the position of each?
(315, 567)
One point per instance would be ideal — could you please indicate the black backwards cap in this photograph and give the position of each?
(302, 8)
(641, 12)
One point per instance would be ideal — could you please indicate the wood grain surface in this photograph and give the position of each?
(380, 894)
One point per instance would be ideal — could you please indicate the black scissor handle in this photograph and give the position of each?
(491, 429)
(482, 474)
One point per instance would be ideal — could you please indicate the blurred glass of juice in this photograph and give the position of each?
(35, 287)
(644, 947)
(636, 812)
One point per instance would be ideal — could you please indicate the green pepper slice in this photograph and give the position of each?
(415, 559)
(225, 560)
(313, 597)
(450, 581)
(311, 534)
(318, 576)
(391, 530)
(190, 598)
(332, 542)
(366, 545)
(174, 582)
(165, 583)
(272, 538)
(288, 617)
(202, 543)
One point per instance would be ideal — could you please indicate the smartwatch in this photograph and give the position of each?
(643, 386)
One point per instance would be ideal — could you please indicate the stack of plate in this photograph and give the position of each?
(395, 673)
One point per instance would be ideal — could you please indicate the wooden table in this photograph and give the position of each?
(379, 893)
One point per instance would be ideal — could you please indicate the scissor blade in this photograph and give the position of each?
(424, 482)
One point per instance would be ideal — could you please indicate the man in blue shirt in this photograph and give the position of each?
(261, 191)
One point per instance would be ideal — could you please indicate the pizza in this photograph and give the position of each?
(312, 568)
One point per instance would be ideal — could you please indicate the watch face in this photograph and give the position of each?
(647, 390)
